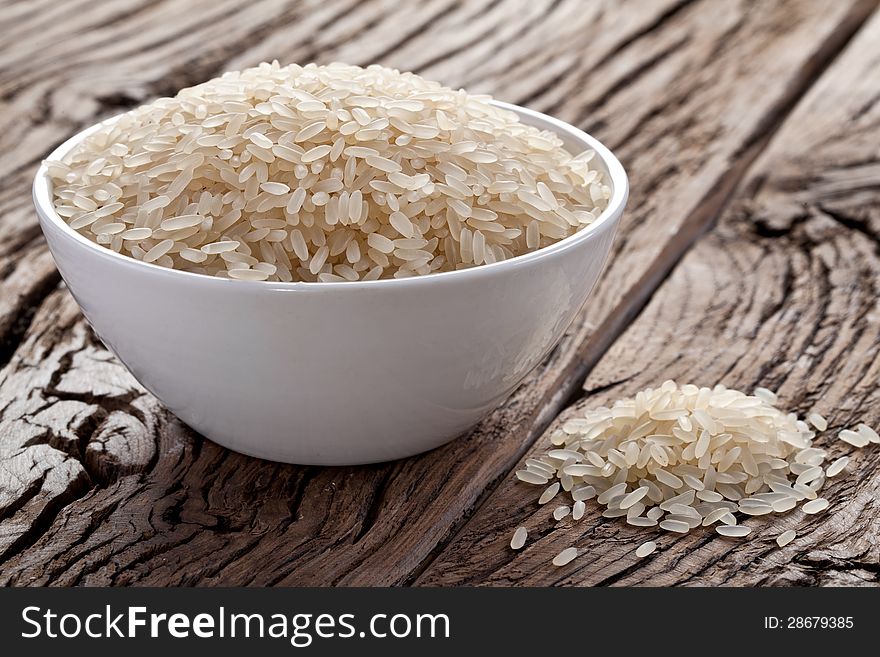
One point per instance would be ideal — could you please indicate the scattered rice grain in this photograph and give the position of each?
(645, 549)
(565, 557)
(519, 538)
(787, 536)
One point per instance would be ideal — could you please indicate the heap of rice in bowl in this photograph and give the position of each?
(324, 173)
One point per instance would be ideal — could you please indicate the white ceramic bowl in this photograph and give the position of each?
(336, 373)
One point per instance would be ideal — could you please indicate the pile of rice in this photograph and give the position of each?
(324, 173)
(683, 457)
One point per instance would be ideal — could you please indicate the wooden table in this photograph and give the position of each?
(749, 256)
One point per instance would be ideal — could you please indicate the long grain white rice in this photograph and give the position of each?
(654, 513)
(869, 433)
(815, 506)
(685, 456)
(641, 521)
(530, 477)
(645, 549)
(337, 153)
(549, 493)
(675, 526)
(854, 438)
(837, 467)
(583, 493)
(766, 395)
(714, 516)
(734, 531)
(519, 538)
(630, 499)
(817, 421)
(785, 504)
(561, 512)
(787, 536)
(565, 557)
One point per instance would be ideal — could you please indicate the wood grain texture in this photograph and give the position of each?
(108, 488)
(783, 294)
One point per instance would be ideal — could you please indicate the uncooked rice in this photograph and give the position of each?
(645, 549)
(531, 477)
(733, 531)
(837, 467)
(786, 537)
(675, 526)
(815, 506)
(683, 457)
(869, 433)
(324, 173)
(561, 512)
(549, 493)
(817, 421)
(565, 557)
(854, 438)
(519, 538)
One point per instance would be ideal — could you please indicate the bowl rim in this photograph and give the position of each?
(42, 196)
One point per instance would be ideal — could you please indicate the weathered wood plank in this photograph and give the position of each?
(783, 293)
(60, 437)
(655, 79)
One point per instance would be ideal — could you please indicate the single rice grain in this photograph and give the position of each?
(837, 466)
(519, 538)
(733, 531)
(565, 557)
(549, 493)
(645, 549)
(815, 506)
